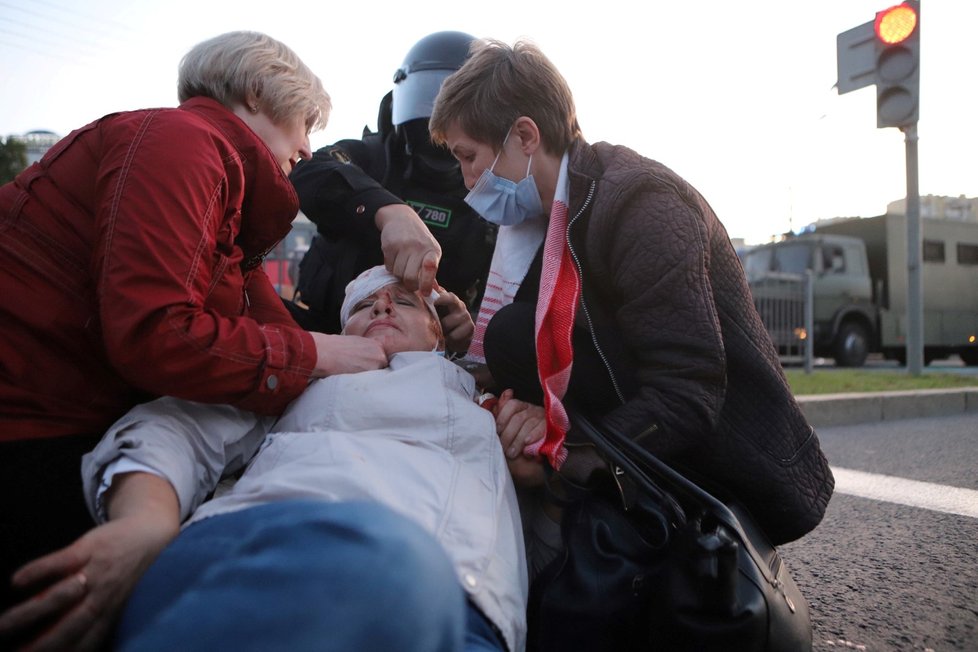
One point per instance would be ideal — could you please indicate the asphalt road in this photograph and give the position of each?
(884, 573)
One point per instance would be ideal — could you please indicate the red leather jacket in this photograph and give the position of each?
(131, 269)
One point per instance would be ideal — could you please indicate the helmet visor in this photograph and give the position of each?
(414, 96)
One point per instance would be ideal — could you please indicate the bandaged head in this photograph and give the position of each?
(368, 283)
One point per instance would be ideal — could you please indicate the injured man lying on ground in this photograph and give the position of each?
(376, 513)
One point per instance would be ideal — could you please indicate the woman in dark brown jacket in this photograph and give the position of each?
(615, 288)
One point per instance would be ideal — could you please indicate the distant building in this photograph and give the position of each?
(38, 142)
(948, 208)
(740, 246)
(964, 209)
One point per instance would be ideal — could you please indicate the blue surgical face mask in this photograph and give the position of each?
(505, 202)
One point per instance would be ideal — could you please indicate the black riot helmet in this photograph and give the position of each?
(416, 84)
(425, 67)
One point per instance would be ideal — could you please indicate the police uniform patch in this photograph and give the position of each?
(432, 215)
(338, 154)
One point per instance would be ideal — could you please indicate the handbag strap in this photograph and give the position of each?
(652, 473)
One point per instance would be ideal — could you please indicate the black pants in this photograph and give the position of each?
(41, 504)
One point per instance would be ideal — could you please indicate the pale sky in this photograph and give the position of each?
(737, 97)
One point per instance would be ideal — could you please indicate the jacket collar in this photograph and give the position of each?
(270, 202)
(583, 167)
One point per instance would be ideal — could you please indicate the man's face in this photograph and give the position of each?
(396, 318)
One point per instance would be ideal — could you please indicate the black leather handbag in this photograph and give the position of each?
(676, 570)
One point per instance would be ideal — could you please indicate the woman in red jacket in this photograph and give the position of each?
(132, 268)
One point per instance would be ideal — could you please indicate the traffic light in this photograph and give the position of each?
(897, 32)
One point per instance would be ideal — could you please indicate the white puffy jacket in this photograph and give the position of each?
(410, 437)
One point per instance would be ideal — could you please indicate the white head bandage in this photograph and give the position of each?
(368, 283)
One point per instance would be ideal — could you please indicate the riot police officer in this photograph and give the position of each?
(366, 197)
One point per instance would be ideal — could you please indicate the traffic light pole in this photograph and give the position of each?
(886, 52)
(915, 308)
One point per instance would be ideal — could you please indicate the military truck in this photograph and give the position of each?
(859, 287)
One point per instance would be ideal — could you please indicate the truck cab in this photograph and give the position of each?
(844, 315)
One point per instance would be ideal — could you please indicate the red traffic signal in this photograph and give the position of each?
(896, 24)
(897, 31)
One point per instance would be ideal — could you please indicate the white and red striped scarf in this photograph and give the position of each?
(515, 248)
(560, 289)
(556, 307)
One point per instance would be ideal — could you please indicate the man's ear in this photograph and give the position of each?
(529, 135)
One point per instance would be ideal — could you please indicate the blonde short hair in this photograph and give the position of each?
(498, 84)
(240, 67)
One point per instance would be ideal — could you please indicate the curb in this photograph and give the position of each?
(828, 410)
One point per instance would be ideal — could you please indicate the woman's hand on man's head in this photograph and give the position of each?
(411, 253)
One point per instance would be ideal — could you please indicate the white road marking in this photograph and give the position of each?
(912, 493)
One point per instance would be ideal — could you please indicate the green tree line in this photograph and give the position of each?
(13, 158)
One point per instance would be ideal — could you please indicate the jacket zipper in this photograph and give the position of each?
(587, 314)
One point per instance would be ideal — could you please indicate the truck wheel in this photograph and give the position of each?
(851, 345)
(969, 356)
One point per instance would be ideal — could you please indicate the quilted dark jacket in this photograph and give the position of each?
(666, 300)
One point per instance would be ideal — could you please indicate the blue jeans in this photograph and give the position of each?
(303, 575)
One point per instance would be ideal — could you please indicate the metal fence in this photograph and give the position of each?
(282, 267)
(784, 302)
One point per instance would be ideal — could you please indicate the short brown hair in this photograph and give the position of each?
(497, 85)
(230, 67)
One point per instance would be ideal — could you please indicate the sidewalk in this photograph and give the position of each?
(827, 410)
